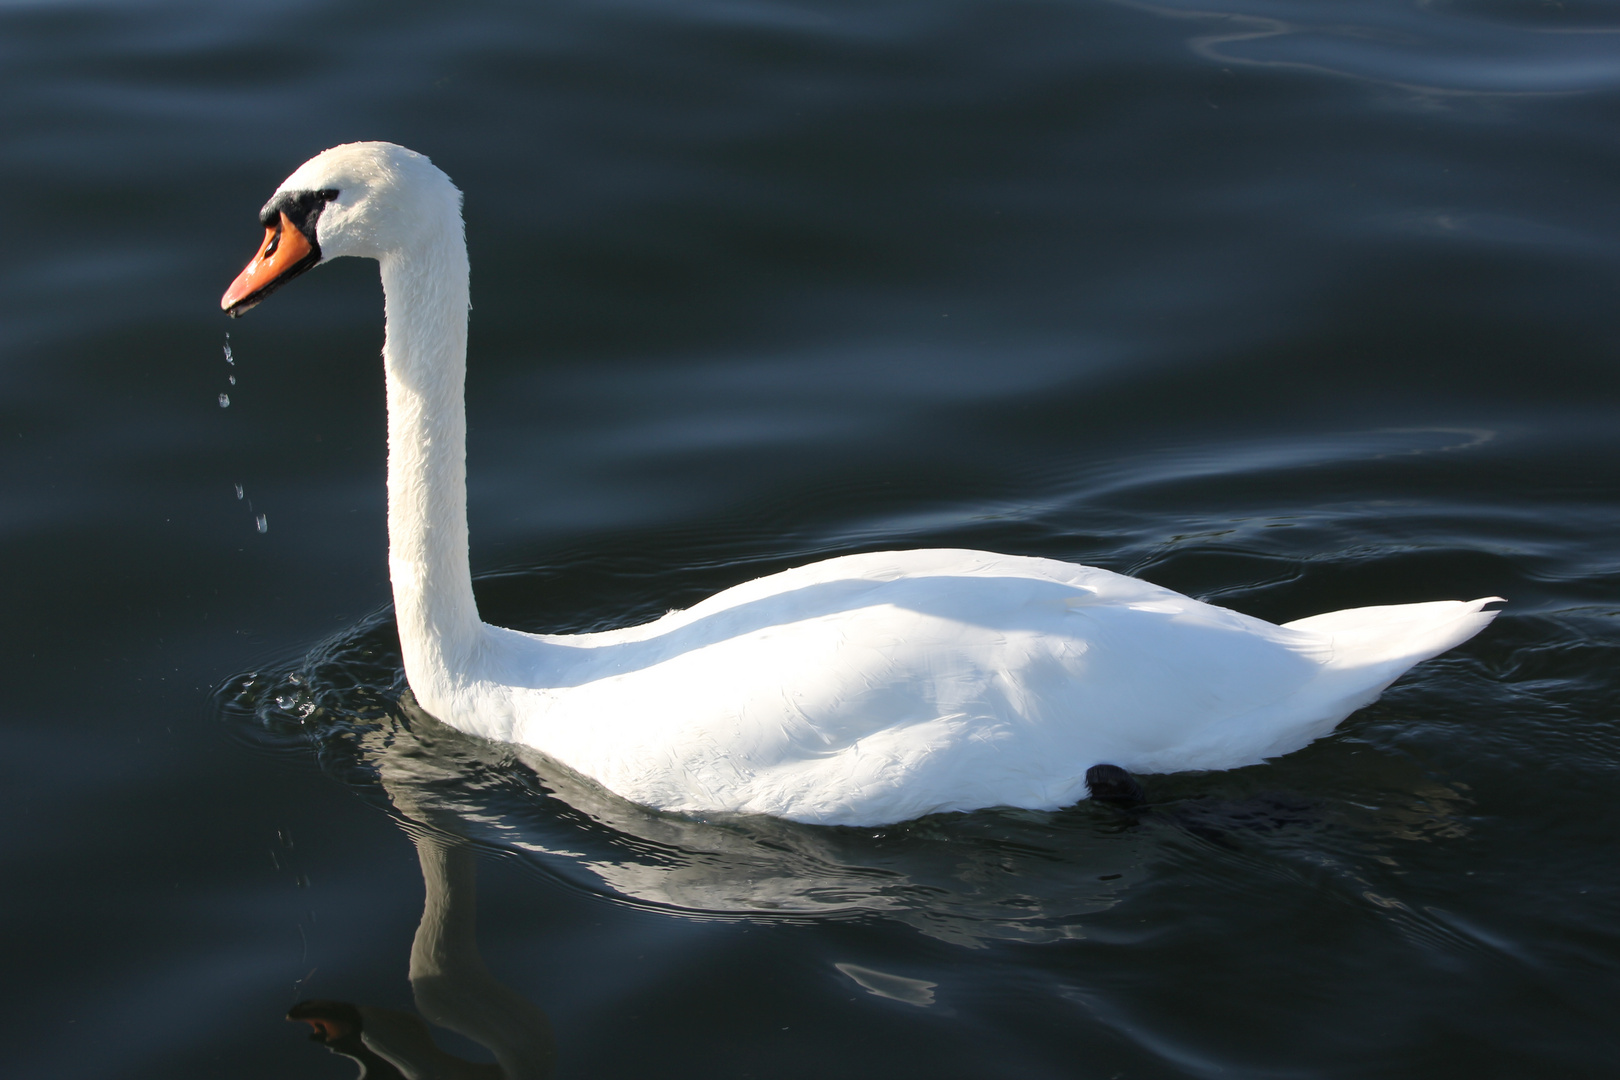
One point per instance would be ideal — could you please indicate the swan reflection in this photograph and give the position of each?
(964, 878)
(1013, 874)
(453, 990)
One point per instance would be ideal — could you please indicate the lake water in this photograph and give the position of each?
(1290, 307)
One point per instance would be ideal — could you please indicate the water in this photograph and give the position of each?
(1290, 307)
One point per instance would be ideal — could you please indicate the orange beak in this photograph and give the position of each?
(285, 254)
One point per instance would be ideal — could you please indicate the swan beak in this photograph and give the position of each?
(285, 253)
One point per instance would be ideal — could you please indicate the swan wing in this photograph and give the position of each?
(880, 687)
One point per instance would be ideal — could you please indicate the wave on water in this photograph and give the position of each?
(1432, 47)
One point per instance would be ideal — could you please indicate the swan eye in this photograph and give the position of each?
(302, 208)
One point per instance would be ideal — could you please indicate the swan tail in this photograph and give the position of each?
(1397, 636)
(1361, 651)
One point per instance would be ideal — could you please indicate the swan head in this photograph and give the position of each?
(370, 199)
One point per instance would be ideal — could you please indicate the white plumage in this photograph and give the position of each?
(861, 690)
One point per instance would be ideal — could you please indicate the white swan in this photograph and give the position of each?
(861, 690)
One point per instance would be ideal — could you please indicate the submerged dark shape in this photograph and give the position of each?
(1217, 820)
(1206, 817)
(1113, 786)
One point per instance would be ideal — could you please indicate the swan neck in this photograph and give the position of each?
(425, 359)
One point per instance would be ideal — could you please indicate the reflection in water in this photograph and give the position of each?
(917, 992)
(1016, 874)
(452, 987)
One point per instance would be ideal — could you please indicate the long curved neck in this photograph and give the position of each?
(425, 359)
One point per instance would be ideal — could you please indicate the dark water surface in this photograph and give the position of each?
(1288, 306)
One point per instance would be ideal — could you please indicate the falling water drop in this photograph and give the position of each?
(238, 491)
(224, 401)
(229, 359)
(232, 378)
(264, 526)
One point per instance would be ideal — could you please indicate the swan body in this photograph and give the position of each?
(861, 690)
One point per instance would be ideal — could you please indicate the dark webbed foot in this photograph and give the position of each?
(1113, 786)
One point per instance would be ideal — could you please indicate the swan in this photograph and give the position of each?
(862, 690)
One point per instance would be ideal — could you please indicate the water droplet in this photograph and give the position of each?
(224, 401)
(229, 359)
(233, 380)
(264, 526)
(238, 491)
